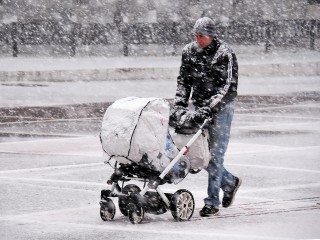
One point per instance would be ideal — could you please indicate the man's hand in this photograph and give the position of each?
(202, 114)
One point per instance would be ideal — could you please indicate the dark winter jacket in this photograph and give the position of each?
(211, 74)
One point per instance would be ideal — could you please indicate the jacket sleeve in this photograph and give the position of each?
(184, 82)
(225, 77)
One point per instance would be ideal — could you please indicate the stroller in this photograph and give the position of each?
(139, 144)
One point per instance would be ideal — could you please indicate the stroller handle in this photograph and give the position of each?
(205, 122)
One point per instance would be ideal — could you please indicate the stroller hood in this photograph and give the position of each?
(135, 127)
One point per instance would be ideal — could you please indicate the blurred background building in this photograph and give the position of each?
(150, 27)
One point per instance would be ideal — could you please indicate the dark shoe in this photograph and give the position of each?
(208, 211)
(228, 198)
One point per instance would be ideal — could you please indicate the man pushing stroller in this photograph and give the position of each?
(207, 81)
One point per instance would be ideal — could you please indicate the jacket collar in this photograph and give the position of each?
(212, 48)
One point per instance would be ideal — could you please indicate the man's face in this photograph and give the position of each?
(203, 40)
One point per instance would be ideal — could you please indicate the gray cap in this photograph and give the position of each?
(205, 26)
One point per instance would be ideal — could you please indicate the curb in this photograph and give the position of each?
(250, 70)
(90, 74)
(281, 69)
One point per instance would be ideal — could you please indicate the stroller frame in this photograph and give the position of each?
(134, 203)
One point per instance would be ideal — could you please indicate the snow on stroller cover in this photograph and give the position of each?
(137, 129)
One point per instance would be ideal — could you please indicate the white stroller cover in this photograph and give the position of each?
(135, 127)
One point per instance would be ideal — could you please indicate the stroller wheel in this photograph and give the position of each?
(182, 205)
(135, 213)
(124, 201)
(107, 210)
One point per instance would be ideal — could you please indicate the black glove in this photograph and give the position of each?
(202, 114)
(176, 113)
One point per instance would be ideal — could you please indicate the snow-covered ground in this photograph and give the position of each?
(13, 94)
(252, 62)
(50, 182)
(50, 187)
(245, 55)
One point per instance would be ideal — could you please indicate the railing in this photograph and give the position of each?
(278, 33)
(71, 35)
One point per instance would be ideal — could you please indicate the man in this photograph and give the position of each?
(208, 80)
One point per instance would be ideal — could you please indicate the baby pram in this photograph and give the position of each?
(137, 143)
